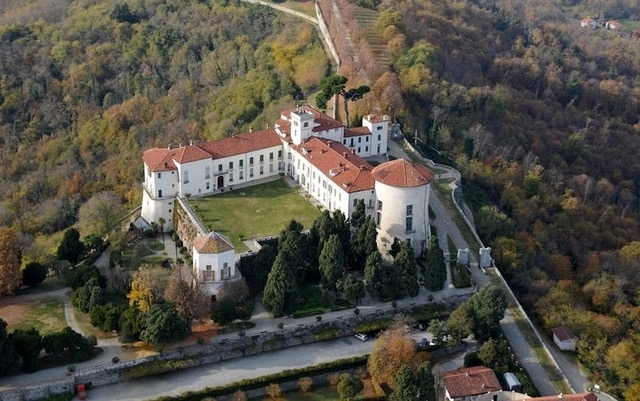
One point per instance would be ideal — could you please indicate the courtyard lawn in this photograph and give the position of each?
(254, 212)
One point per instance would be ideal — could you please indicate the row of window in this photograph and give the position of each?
(352, 140)
(207, 169)
(210, 275)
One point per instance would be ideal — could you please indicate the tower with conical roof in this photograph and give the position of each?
(402, 210)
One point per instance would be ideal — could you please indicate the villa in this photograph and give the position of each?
(318, 152)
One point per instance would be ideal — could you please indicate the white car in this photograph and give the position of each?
(361, 336)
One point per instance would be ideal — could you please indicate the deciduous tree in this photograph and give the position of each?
(101, 214)
(460, 323)
(391, 350)
(488, 307)
(10, 275)
(189, 299)
(147, 286)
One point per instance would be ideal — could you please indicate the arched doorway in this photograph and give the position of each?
(220, 181)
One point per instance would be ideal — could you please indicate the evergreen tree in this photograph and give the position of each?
(281, 292)
(405, 267)
(342, 229)
(71, 248)
(426, 382)
(293, 244)
(460, 323)
(359, 214)
(88, 296)
(375, 275)
(28, 344)
(352, 288)
(331, 263)
(487, 308)
(406, 386)
(363, 242)
(33, 274)
(164, 325)
(435, 268)
(395, 247)
(8, 355)
(132, 323)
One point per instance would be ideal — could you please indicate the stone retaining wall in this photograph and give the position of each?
(215, 351)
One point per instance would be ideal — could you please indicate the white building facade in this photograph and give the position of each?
(322, 155)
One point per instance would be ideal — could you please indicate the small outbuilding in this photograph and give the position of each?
(564, 338)
(512, 383)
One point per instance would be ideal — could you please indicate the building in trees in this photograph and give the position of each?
(461, 384)
(318, 152)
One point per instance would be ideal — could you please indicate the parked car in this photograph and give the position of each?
(361, 336)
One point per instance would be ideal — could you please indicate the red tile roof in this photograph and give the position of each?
(242, 143)
(466, 382)
(212, 243)
(159, 159)
(563, 333)
(357, 131)
(334, 160)
(401, 173)
(191, 153)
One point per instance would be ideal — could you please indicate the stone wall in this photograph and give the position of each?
(215, 351)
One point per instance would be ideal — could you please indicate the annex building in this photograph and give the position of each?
(318, 152)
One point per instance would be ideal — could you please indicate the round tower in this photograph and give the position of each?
(402, 208)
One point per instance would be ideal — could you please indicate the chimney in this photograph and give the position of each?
(362, 167)
(169, 147)
(190, 142)
(329, 143)
(344, 154)
(353, 151)
(250, 129)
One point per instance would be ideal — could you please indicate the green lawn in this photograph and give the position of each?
(254, 212)
(45, 315)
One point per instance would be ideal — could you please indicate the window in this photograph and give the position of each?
(261, 170)
(379, 127)
(185, 177)
(271, 156)
(226, 271)
(159, 175)
(355, 202)
(344, 141)
(219, 167)
(366, 148)
(279, 155)
(271, 167)
(378, 218)
(366, 139)
(241, 175)
(251, 172)
(159, 193)
(379, 205)
(359, 139)
(408, 224)
(208, 186)
(251, 161)
(409, 210)
(207, 172)
(208, 274)
(306, 124)
(241, 162)
(230, 166)
(379, 137)
(230, 177)
(351, 141)
(261, 158)
(358, 149)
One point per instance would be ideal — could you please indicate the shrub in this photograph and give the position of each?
(394, 304)
(239, 396)
(33, 274)
(115, 359)
(305, 384)
(356, 311)
(274, 391)
(333, 379)
(349, 386)
(318, 318)
(280, 325)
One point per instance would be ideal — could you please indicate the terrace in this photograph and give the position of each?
(253, 212)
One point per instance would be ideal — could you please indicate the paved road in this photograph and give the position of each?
(232, 371)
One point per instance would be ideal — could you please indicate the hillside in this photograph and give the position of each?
(542, 116)
(86, 86)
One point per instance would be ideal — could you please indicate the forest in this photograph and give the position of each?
(541, 116)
